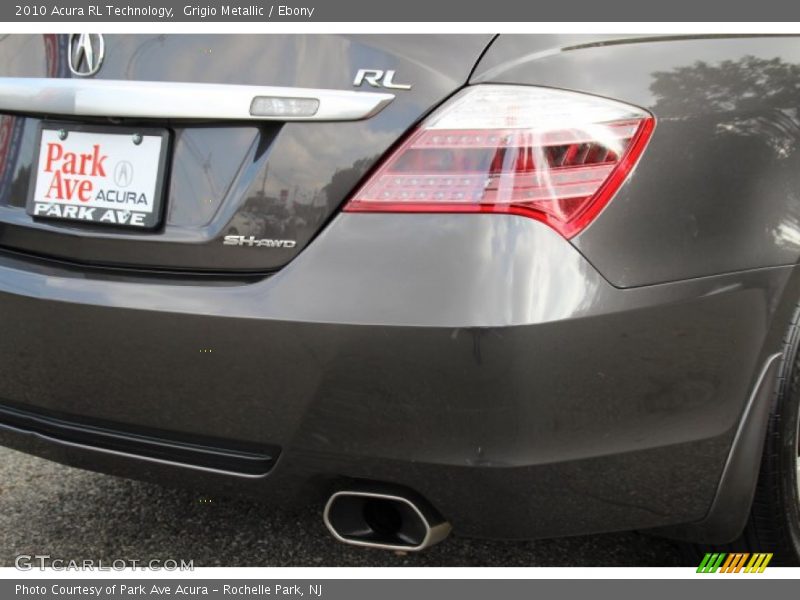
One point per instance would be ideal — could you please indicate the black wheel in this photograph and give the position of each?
(774, 522)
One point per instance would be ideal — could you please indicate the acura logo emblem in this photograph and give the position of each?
(86, 51)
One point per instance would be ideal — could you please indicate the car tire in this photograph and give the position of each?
(774, 521)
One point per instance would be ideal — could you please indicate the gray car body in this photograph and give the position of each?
(526, 385)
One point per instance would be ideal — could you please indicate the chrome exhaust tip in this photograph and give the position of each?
(387, 520)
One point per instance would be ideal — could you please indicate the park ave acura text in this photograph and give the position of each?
(505, 286)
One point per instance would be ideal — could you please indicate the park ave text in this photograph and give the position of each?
(71, 179)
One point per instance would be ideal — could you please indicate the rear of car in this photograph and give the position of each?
(521, 286)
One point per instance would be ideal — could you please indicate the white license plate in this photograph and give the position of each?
(91, 175)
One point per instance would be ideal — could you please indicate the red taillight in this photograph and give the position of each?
(552, 155)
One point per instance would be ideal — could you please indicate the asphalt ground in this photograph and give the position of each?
(70, 514)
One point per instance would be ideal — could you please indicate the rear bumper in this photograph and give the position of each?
(477, 359)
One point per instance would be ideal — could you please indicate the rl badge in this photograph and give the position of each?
(99, 177)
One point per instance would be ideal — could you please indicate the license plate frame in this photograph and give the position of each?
(149, 221)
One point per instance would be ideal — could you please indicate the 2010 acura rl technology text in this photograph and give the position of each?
(514, 286)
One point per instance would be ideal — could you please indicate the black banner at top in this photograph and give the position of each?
(408, 10)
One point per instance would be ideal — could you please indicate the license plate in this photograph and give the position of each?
(99, 175)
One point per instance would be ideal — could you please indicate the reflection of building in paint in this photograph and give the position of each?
(12, 129)
(55, 51)
(11, 132)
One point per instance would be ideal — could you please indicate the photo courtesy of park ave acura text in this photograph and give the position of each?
(392, 299)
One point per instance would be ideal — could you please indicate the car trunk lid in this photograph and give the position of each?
(239, 193)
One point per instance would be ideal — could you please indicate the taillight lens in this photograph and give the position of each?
(552, 155)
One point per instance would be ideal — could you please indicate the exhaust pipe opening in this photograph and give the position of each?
(383, 517)
(384, 520)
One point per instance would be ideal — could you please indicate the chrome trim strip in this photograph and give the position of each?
(175, 100)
